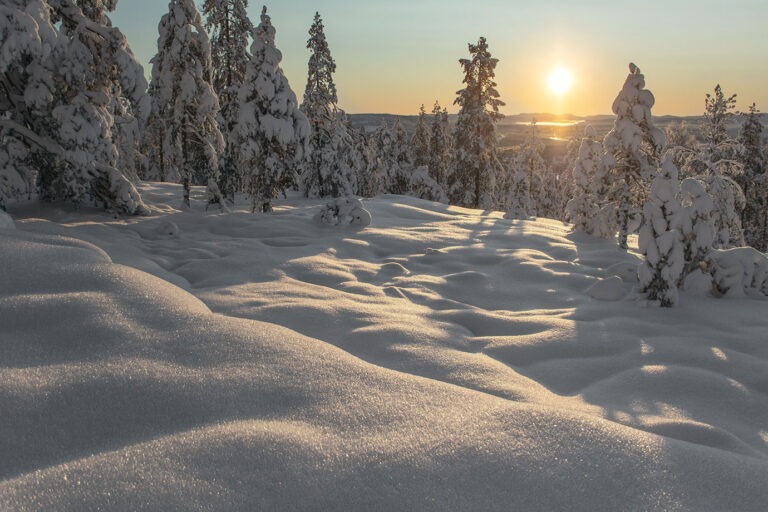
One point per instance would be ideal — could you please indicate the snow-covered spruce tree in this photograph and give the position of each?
(323, 175)
(363, 165)
(659, 241)
(399, 179)
(518, 202)
(715, 163)
(439, 146)
(185, 109)
(475, 164)
(381, 161)
(530, 159)
(129, 102)
(583, 209)
(58, 82)
(230, 31)
(754, 218)
(695, 225)
(420, 141)
(275, 133)
(632, 149)
(680, 144)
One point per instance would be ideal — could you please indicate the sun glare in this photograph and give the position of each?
(560, 81)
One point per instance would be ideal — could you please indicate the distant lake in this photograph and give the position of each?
(551, 123)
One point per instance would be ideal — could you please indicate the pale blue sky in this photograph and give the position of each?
(393, 56)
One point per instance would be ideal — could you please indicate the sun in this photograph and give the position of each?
(560, 81)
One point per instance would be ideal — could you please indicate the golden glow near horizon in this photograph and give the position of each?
(560, 81)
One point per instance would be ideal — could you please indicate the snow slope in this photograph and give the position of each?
(438, 359)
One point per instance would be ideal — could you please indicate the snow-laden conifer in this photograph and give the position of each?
(632, 148)
(273, 131)
(754, 183)
(439, 146)
(325, 173)
(230, 32)
(659, 241)
(59, 81)
(695, 225)
(529, 158)
(184, 119)
(583, 209)
(420, 140)
(518, 202)
(399, 178)
(715, 163)
(475, 165)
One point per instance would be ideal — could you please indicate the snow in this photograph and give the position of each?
(439, 358)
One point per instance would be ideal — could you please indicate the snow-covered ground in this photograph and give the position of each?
(438, 359)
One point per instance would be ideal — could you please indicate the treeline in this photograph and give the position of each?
(78, 122)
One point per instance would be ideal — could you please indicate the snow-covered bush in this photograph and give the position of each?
(739, 271)
(344, 211)
(424, 187)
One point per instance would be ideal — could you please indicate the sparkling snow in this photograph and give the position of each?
(437, 359)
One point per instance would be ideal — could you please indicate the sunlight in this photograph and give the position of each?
(560, 81)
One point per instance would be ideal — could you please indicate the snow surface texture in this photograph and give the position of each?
(438, 359)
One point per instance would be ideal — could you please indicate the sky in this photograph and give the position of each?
(396, 55)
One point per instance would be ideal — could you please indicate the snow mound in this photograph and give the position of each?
(610, 288)
(6, 221)
(442, 359)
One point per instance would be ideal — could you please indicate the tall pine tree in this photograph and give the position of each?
(475, 165)
(230, 31)
(324, 175)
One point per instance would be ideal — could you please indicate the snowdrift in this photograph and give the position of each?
(439, 359)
